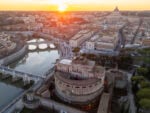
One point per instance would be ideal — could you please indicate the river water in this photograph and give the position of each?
(8, 93)
(35, 62)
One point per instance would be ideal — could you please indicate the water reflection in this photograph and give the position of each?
(36, 63)
(52, 46)
(32, 47)
(43, 46)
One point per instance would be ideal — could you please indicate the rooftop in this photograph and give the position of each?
(66, 61)
(83, 61)
(80, 60)
(68, 78)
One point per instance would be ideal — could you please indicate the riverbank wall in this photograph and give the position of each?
(15, 56)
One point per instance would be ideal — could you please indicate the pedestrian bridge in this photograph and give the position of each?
(15, 74)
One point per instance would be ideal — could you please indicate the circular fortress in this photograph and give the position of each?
(78, 80)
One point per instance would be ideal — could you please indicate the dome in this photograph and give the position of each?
(116, 9)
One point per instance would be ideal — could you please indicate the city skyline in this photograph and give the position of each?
(74, 56)
(70, 5)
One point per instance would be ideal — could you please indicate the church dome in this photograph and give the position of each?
(116, 9)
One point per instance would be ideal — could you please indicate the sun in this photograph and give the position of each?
(61, 4)
(62, 7)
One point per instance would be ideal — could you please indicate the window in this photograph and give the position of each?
(77, 87)
(68, 86)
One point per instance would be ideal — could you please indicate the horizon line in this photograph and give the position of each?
(73, 10)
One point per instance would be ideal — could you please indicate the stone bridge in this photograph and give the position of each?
(26, 77)
(40, 42)
(15, 74)
(48, 43)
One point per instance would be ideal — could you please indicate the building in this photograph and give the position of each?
(80, 38)
(102, 43)
(115, 19)
(146, 42)
(120, 81)
(91, 43)
(78, 80)
(104, 46)
(6, 45)
(115, 15)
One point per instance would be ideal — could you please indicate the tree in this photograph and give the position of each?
(145, 84)
(145, 103)
(145, 51)
(137, 79)
(145, 56)
(91, 56)
(142, 71)
(76, 50)
(84, 54)
(125, 61)
(144, 93)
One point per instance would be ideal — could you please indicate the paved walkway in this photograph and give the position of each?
(58, 106)
(130, 95)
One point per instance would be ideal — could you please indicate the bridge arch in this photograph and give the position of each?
(41, 45)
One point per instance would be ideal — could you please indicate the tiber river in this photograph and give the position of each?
(36, 63)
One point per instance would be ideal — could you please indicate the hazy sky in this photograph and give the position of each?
(74, 4)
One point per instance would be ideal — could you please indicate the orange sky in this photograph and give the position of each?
(86, 5)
